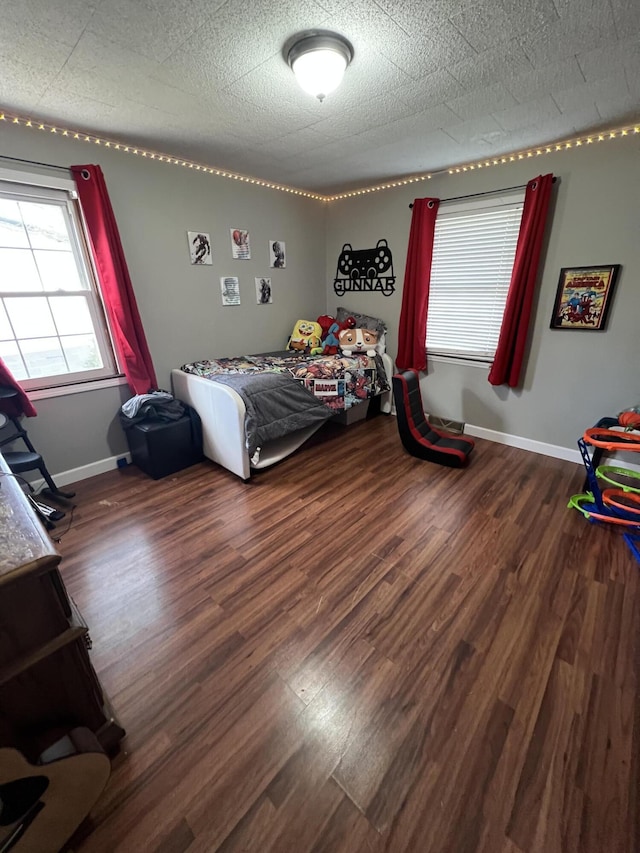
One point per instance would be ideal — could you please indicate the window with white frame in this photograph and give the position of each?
(52, 326)
(474, 249)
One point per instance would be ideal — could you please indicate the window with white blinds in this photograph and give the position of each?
(473, 254)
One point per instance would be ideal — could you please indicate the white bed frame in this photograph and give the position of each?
(222, 412)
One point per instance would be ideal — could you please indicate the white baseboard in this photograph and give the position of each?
(73, 475)
(555, 450)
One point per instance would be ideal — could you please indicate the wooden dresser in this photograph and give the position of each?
(47, 683)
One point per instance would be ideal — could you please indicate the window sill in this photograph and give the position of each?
(466, 362)
(65, 390)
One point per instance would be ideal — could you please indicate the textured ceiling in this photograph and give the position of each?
(432, 83)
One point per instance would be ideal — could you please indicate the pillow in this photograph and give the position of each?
(364, 321)
(306, 336)
(358, 341)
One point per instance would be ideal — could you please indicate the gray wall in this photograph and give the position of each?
(180, 304)
(572, 378)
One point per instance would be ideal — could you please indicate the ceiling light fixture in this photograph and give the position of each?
(319, 59)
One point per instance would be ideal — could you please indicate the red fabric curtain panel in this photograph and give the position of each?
(507, 363)
(115, 283)
(412, 352)
(18, 405)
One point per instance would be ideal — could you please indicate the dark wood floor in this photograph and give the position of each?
(358, 651)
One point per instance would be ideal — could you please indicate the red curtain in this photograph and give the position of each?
(412, 351)
(517, 313)
(18, 405)
(115, 284)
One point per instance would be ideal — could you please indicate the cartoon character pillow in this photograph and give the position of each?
(358, 341)
(305, 336)
(366, 321)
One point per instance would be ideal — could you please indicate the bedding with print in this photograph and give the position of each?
(276, 405)
(338, 381)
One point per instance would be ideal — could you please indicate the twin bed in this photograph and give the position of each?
(256, 410)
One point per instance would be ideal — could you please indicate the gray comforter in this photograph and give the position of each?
(276, 405)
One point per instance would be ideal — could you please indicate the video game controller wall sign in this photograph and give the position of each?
(365, 270)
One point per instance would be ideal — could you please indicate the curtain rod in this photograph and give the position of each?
(35, 163)
(489, 192)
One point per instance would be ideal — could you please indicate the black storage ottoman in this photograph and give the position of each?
(161, 448)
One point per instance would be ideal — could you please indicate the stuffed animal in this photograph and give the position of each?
(331, 343)
(305, 336)
(358, 341)
(325, 321)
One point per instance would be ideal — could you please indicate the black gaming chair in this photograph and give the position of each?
(416, 433)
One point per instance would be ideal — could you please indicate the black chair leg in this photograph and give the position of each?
(34, 463)
(52, 490)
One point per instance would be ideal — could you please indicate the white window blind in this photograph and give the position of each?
(473, 254)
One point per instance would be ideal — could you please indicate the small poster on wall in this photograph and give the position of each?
(277, 254)
(264, 293)
(230, 287)
(240, 248)
(584, 297)
(200, 247)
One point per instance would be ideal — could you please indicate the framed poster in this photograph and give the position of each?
(583, 298)
(277, 254)
(240, 246)
(264, 293)
(230, 288)
(199, 247)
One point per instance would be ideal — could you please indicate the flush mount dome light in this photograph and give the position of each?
(319, 60)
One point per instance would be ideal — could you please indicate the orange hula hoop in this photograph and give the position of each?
(611, 497)
(611, 520)
(610, 439)
(577, 500)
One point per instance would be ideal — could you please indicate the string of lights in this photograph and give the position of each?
(577, 142)
(151, 155)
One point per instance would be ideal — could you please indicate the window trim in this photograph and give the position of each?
(33, 179)
(76, 387)
(43, 190)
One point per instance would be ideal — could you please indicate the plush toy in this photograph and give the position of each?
(358, 341)
(305, 336)
(331, 342)
(325, 321)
